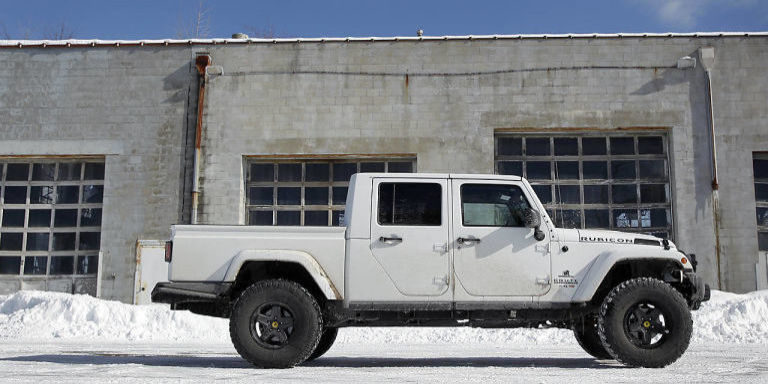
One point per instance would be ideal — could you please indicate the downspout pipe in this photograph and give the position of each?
(707, 56)
(202, 62)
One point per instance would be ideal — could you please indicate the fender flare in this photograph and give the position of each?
(602, 265)
(288, 256)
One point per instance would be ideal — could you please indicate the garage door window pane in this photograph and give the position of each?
(15, 195)
(650, 145)
(87, 265)
(69, 171)
(43, 172)
(568, 218)
(260, 218)
(653, 193)
(344, 171)
(39, 218)
(261, 195)
(623, 169)
(316, 196)
(13, 218)
(319, 218)
(64, 241)
(35, 265)
(595, 170)
(11, 241)
(544, 193)
(567, 170)
(62, 265)
(68, 194)
(511, 168)
(593, 146)
(41, 195)
(262, 172)
(596, 194)
(652, 169)
(596, 218)
(37, 241)
(372, 167)
(289, 172)
(537, 147)
(288, 217)
(289, 196)
(17, 172)
(318, 171)
(622, 146)
(400, 167)
(539, 170)
(510, 146)
(567, 194)
(10, 265)
(566, 146)
(65, 218)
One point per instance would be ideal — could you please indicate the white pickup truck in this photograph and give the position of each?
(435, 250)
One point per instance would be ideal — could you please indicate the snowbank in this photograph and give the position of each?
(30, 315)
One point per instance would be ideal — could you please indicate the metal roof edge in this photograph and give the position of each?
(177, 42)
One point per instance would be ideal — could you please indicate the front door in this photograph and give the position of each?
(409, 234)
(494, 253)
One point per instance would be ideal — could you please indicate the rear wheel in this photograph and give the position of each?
(645, 322)
(275, 324)
(589, 339)
(326, 342)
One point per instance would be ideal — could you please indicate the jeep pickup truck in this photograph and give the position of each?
(435, 250)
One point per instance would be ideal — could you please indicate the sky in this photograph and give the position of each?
(160, 19)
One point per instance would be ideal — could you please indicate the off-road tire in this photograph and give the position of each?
(615, 312)
(326, 342)
(305, 332)
(589, 339)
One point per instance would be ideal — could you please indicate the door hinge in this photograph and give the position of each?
(441, 280)
(440, 248)
(542, 280)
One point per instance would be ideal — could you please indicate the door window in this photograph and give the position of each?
(492, 205)
(410, 204)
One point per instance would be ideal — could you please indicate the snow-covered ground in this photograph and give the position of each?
(50, 337)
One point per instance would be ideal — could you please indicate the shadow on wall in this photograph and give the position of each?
(700, 149)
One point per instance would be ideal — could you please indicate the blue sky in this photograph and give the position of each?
(153, 19)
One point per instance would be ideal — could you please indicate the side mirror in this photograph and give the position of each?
(532, 219)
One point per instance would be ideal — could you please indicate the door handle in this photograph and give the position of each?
(467, 240)
(384, 239)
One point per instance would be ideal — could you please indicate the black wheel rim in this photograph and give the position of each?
(271, 325)
(646, 325)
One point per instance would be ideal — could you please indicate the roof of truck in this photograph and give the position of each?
(424, 175)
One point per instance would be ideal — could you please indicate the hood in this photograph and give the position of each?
(609, 237)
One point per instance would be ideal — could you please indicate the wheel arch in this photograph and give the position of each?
(248, 267)
(612, 270)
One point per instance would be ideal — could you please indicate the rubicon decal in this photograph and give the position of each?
(598, 239)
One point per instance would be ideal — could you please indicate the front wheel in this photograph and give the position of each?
(326, 342)
(589, 339)
(645, 322)
(275, 324)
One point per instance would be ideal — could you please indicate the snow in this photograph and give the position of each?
(54, 337)
(32, 315)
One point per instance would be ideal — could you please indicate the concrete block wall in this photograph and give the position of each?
(128, 105)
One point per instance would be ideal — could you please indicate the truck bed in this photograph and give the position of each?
(203, 253)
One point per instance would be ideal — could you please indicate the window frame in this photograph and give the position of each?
(378, 202)
(461, 202)
(761, 229)
(54, 208)
(333, 209)
(560, 211)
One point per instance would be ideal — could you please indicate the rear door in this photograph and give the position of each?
(409, 234)
(494, 253)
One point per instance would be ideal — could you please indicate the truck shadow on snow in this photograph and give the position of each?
(326, 362)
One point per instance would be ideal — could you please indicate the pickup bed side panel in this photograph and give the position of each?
(204, 253)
